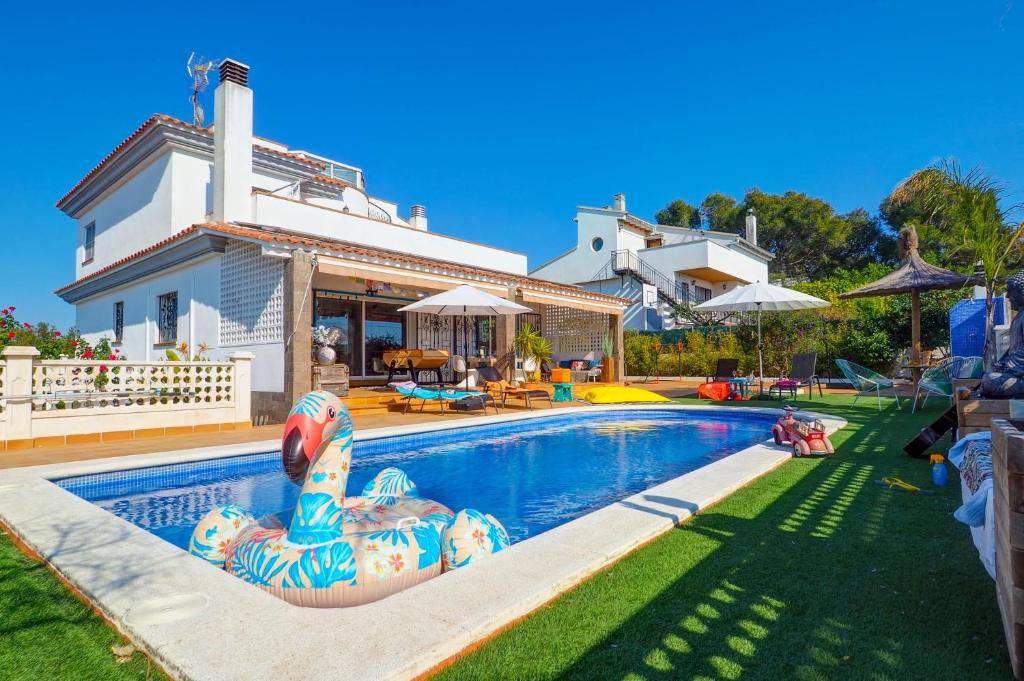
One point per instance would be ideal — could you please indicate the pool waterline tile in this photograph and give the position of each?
(533, 476)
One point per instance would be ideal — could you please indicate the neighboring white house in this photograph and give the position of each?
(655, 266)
(215, 236)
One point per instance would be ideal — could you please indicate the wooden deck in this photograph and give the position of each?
(373, 410)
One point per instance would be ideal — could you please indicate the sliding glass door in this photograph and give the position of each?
(385, 330)
(345, 315)
(368, 329)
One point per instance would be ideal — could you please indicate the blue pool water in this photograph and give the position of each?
(532, 475)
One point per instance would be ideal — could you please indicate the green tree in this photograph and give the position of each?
(968, 207)
(803, 233)
(680, 214)
(868, 242)
(719, 210)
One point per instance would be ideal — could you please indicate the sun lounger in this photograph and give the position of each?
(499, 387)
(411, 391)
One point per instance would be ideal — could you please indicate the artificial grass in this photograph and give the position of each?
(46, 633)
(812, 572)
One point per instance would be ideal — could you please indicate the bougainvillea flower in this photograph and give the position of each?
(11, 334)
(56, 334)
(74, 344)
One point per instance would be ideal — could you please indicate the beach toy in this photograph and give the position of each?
(337, 551)
(940, 476)
(217, 531)
(896, 483)
(806, 436)
(618, 394)
(470, 536)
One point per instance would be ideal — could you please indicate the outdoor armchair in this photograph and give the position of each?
(801, 375)
(866, 381)
(725, 369)
(938, 380)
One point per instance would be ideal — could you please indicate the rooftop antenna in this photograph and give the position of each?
(198, 70)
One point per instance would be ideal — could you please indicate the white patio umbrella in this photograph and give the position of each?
(759, 296)
(465, 300)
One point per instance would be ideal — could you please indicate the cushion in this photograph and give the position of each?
(565, 364)
(560, 376)
(618, 394)
(716, 390)
(578, 365)
(594, 363)
(976, 465)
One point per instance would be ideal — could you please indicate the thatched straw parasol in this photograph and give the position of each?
(913, 276)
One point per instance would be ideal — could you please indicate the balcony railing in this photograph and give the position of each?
(670, 290)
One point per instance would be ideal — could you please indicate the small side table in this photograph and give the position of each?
(739, 386)
(563, 392)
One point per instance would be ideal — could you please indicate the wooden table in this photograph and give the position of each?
(916, 370)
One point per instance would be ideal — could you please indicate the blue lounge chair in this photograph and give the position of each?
(410, 391)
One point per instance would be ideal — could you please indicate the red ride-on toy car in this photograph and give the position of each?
(806, 436)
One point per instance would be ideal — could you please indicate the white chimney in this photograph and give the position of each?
(418, 217)
(620, 203)
(232, 144)
(751, 226)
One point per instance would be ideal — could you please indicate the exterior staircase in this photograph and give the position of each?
(627, 262)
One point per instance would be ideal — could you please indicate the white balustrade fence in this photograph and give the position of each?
(48, 398)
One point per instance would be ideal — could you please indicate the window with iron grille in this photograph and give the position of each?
(90, 242)
(119, 320)
(167, 317)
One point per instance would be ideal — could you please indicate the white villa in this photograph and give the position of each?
(655, 266)
(216, 236)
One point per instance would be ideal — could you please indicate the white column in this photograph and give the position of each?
(242, 385)
(18, 391)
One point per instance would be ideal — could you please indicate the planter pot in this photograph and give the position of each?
(325, 355)
(607, 369)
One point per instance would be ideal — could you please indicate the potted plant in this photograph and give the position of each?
(608, 359)
(534, 348)
(324, 339)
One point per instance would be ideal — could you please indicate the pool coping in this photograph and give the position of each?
(241, 632)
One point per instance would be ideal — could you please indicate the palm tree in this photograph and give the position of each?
(968, 206)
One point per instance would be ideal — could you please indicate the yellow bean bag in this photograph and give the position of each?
(618, 394)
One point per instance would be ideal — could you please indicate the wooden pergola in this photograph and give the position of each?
(913, 276)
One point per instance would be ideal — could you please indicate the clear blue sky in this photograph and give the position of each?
(502, 117)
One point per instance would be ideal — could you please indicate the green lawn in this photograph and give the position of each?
(46, 633)
(812, 572)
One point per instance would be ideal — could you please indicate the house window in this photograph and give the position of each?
(702, 294)
(597, 244)
(119, 321)
(90, 242)
(167, 317)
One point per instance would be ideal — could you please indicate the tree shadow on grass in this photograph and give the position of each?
(828, 575)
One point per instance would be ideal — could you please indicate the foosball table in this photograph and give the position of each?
(415, 361)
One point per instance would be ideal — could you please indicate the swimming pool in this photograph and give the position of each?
(532, 475)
